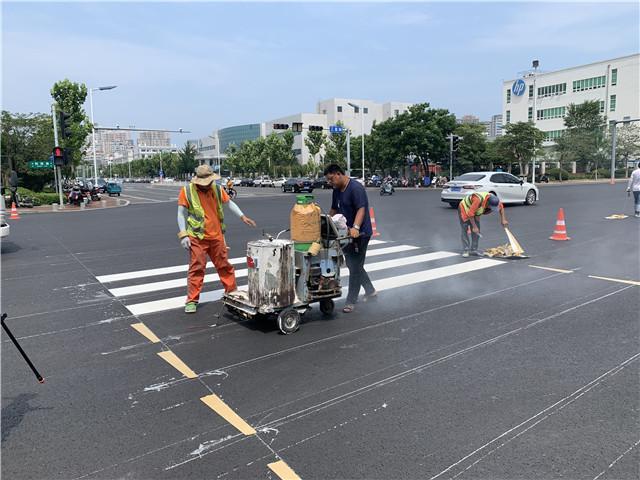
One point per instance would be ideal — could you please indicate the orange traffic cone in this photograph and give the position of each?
(14, 212)
(373, 223)
(560, 232)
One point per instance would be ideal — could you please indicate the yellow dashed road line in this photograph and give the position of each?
(144, 330)
(217, 405)
(283, 470)
(559, 270)
(178, 364)
(618, 280)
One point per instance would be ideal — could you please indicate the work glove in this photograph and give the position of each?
(186, 243)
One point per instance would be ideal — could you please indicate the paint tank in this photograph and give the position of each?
(271, 274)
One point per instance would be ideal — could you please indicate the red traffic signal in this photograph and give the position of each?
(58, 152)
(60, 157)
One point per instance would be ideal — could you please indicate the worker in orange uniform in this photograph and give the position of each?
(471, 208)
(201, 224)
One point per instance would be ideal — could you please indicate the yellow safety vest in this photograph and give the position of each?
(195, 216)
(466, 202)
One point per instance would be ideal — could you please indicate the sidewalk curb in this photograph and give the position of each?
(31, 211)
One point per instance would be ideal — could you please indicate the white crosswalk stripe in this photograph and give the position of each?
(175, 299)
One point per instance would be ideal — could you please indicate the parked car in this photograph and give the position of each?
(4, 226)
(246, 182)
(113, 188)
(278, 182)
(508, 188)
(237, 182)
(322, 183)
(298, 185)
(263, 181)
(102, 185)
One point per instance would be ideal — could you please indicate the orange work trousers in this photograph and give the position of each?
(217, 251)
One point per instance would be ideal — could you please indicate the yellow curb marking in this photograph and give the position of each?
(144, 330)
(217, 405)
(283, 470)
(559, 270)
(178, 364)
(628, 282)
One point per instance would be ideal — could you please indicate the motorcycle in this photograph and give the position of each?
(75, 196)
(387, 188)
(95, 194)
(231, 192)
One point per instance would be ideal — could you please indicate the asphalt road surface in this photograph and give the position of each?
(462, 368)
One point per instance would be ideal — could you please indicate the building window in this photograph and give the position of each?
(508, 116)
(549, 113)
(530, 114)
(552, 135)
(589, 83)
(324, 112)
(396, 112)
(614, 76)
(365, 110)
(508, 95)
(601, 106)
(339, 108)
(549, 90)
(612, 103)
(530, 91)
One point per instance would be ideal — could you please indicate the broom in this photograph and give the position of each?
(515, 246)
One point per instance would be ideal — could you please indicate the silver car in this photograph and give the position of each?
(508, 188)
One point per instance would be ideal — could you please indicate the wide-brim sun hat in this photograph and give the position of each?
(204, 176)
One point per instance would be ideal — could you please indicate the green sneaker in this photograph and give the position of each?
(190, 307)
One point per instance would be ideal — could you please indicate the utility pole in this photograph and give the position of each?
(349, 152)
(450, 137)
(55, 141)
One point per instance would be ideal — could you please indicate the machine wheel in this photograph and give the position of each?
(453, 204)
(326, 306)
(289, 320)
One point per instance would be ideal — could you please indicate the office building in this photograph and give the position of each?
(544, 97)
(300, 149)
(470, 119)
(495, 129)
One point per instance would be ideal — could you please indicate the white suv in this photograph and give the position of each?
(263, 181)
(4, 226)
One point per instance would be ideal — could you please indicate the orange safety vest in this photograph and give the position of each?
(465, 204)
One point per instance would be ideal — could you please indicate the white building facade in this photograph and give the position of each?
(365, 111)
(544, 98)
(300, 148)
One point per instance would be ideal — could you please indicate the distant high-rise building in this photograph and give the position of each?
(469, 119)
(154, 139)
(495, 129)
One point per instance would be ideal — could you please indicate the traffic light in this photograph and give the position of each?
(315, 128)
(456, 142)
(296, 127)
(281, 126)
(58, 156)
(65, 125)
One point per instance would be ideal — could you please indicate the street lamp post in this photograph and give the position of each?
(535, 64)
(93, 129)
(359, 107)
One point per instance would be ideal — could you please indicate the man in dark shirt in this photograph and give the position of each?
(350, 199)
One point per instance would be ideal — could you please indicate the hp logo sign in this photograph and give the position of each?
(518, 87)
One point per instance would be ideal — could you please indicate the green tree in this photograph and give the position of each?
(314, 142)
(70, 97)
(188, 161)
(472, 147)
(26, 137)
(520, 142)
(583, 141)
(628, 142)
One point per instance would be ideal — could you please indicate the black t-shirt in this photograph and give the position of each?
(349, 202)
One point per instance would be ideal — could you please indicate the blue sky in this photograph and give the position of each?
(201, 66)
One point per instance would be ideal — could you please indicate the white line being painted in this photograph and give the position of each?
(380, 285)
(118, 277)
(214, 277)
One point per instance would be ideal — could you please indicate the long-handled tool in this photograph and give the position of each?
(24, 355)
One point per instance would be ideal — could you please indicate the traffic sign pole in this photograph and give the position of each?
(55, 140)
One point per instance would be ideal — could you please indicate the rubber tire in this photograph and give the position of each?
(327, 306)
(289, 320)
(527, 200)
(453, 204)
(118, 194)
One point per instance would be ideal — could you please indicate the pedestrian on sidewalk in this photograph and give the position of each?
(201, 224)
(350, 199)
(471, 208)
(634, 186)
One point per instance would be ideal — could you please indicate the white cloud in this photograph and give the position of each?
(567, 26)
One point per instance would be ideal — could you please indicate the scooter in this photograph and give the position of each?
(387, 189)
(231, 192)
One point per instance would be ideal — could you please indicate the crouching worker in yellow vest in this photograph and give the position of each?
(201, 224)
(471, 208)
